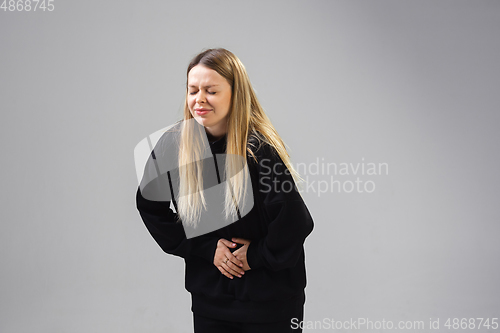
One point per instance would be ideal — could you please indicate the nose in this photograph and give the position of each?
(200, 97)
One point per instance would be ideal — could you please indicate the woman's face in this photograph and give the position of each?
(207, 90)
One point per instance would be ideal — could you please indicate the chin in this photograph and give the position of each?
(202, 121)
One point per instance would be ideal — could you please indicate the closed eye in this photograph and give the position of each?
(211, 93)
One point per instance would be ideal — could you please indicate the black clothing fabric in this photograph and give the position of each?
(209, 325)
(277, 225)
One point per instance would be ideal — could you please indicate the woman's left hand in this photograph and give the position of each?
(241, 253)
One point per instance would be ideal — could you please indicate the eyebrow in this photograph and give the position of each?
(211, 85)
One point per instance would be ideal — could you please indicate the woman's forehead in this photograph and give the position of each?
(201, 75)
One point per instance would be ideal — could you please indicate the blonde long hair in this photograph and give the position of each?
(246, 117)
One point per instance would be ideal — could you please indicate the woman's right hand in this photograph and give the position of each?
(225, 261)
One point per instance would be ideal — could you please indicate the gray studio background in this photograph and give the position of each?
(413, 84)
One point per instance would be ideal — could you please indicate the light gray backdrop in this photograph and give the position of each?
(413, 84)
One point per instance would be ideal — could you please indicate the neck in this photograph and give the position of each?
(214, 135)
(212, 138)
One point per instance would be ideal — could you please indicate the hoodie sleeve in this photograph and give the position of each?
(161, 223)
(289, 219)
(153, 203)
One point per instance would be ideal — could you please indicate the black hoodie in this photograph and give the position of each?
(277, 225)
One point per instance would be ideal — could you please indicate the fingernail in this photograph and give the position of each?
(241, 265)
(234, 244)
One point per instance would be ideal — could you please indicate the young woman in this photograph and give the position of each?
(248, 275)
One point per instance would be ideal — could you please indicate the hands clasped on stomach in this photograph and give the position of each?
(231, 263)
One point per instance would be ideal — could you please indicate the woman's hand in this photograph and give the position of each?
(241, 253)
(225, 261)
